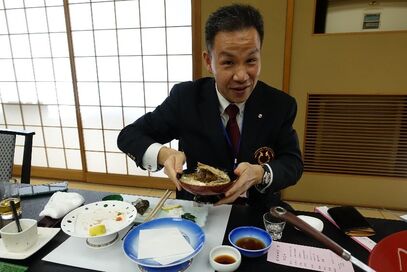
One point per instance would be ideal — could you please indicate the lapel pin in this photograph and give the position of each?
(260, 116)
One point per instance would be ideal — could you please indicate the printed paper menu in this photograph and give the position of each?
(306, 257)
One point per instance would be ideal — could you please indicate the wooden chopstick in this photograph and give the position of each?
(156, 209)
(158, 206)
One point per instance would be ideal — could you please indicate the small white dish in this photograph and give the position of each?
(225, 258)
(44, 236)
(312, 221)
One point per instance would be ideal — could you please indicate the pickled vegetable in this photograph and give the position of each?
(141, 205)
(97, 230)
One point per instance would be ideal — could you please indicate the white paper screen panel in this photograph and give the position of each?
(127, 57)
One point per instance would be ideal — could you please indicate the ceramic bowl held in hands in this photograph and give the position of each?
(206, 180)
(250, 241)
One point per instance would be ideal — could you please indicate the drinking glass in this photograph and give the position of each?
(9, 191)
(273, 225)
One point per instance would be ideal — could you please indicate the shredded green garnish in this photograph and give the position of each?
(189, 216)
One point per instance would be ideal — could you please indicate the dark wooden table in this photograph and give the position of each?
(248, 216)
(240, 216)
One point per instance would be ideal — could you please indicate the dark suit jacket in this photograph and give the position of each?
(191, 115)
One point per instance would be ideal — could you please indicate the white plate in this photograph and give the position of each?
(44, 236)
(316, 223)
(77, 222)
(200, 212)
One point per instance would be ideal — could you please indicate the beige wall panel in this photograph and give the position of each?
(273, 45)
(360, 63)
(349, 190)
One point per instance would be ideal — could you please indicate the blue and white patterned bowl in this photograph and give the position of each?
(191, 231)
(253, 232)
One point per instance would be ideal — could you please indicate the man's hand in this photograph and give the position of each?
(248, 175)
(173, 161)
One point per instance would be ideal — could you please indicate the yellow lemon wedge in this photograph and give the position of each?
(170, 207)
(97, 230)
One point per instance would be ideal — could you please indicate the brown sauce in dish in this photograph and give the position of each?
(250, 243)
(225, 259)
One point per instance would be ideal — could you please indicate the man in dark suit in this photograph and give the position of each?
(264, 156)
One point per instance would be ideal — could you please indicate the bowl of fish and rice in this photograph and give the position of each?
(206, 180)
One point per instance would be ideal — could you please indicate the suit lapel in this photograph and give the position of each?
(253, 121)
(211, 122)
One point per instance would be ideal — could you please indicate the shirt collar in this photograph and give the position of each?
(223, 103)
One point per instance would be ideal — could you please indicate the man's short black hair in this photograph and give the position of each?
(232, 18)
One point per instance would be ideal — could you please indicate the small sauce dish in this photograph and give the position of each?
(316, 223)
(250, 241)
(225, 258)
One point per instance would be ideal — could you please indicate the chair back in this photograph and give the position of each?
(7, 148)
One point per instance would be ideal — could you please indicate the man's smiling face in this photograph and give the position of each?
(235, 63)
